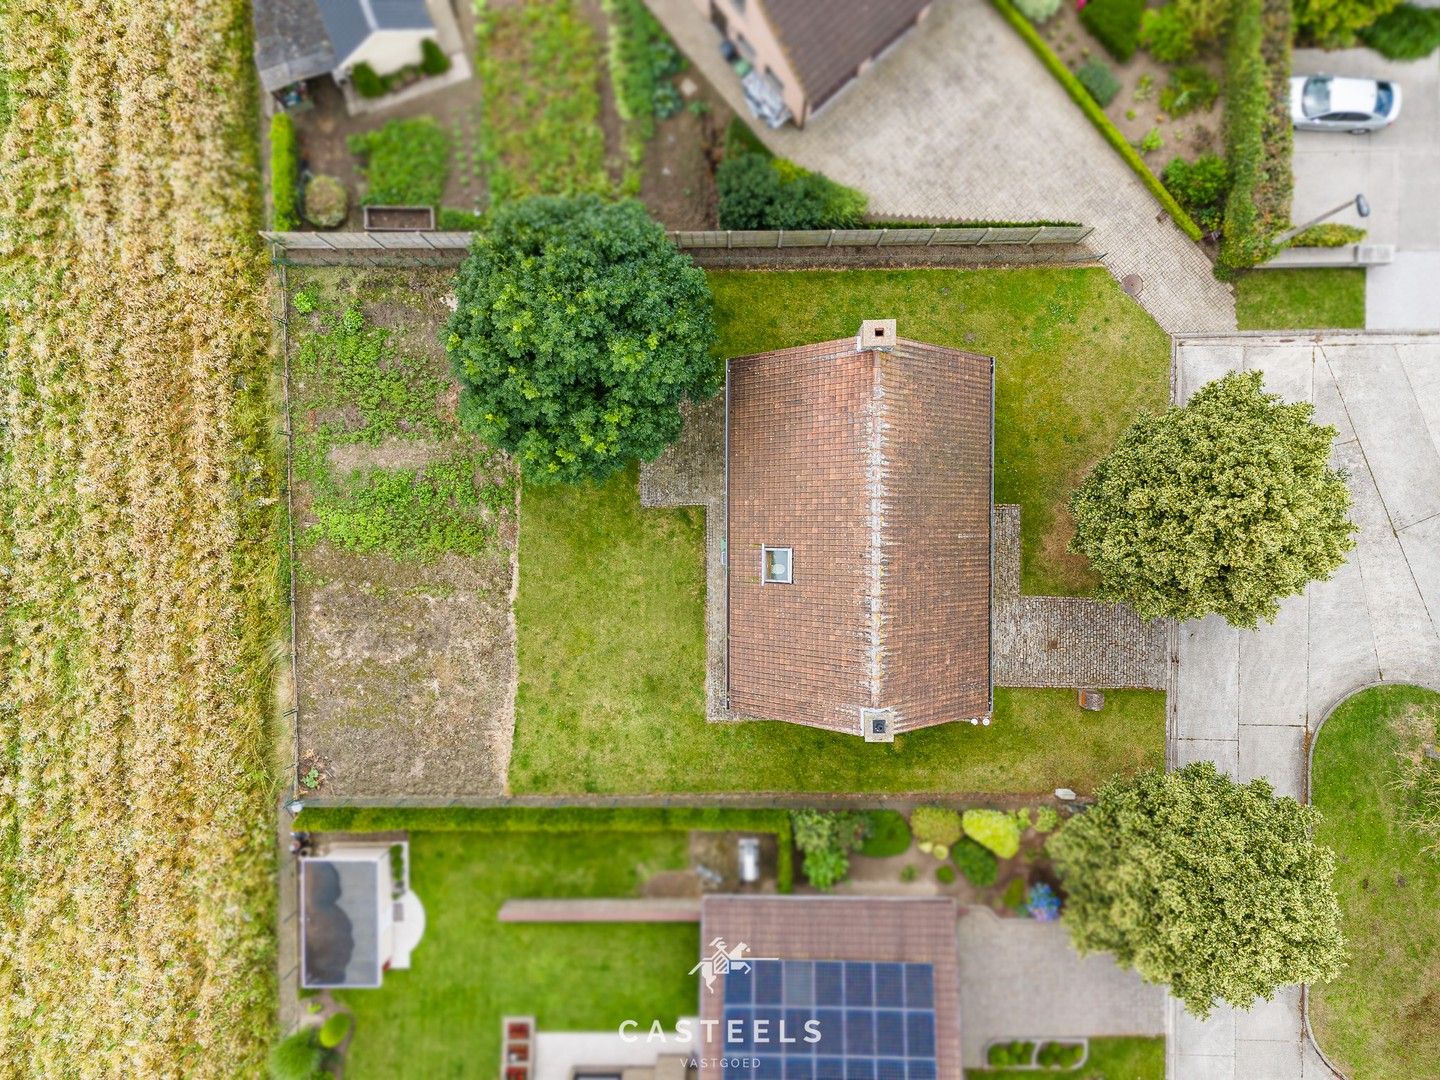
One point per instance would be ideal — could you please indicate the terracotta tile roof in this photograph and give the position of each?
(826, 42)
(909, 930)
(874, 468)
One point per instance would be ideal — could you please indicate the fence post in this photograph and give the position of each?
(881, 237)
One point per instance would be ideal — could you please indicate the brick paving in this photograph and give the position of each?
(961, 121)
(1067, 641)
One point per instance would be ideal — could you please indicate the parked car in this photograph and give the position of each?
(1336, 103)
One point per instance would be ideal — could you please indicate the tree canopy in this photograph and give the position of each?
(1222, 507)
(578, 330)
(1334, 23)
(1215, 888)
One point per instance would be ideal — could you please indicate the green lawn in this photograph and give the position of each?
(442, 1017)
(1110, 1059)
(1381, 1019)
(611, 598)
(1301, 299)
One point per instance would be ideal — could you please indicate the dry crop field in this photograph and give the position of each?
(140, 559)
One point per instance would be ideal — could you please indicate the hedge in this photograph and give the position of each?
(1258, 131)
(521, 819)
(1097, 116)
(1115, 24)
(1407, 33)
(284, 172)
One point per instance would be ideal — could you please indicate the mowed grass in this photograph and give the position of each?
(610, 611)
(442, 1017)
(1380, 1019)
(1319, 299)
(1110, 1059)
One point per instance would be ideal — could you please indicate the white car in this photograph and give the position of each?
(1334, 103)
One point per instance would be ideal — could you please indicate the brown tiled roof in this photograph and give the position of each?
(903, 929)
(874, 468)
(826, 41)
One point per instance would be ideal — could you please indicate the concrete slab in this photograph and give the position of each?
(1278, 1019)
(1274, 663)
(1277, 754)
(1207, 686)
(1225, 753)
(1202, 363)
(1288, 371)
(1202, 1068)
(1268, 1060)
(1422, 366)
(1400, 295)
(1213, 1037)
(1420, 543)
(1342, 643)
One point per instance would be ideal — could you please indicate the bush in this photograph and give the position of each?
(335, 1029)
(1038, 11)
(1004, 1055)
(1096, 115)
(1115, 24)
(1167, 35)
(406, 162)
(1151, 141)
(284, 172)
(740, 139)
(1047, 819)
(366, 82)
(1407, 33)
(759, 192)
(1041, 903)
(1022, 819)
(1201, 188)
(828, 830)
(1059, 1055)
(1099, 81)
(1328, 235)
(935, 825)
(1190, 88)
(433, 60)
(326, 201)
(296, 1057)
(1335, 24)
(1014, 896)
(888, 834)
(979, 866)
(643, 60)
(1223, 506)
(909, 874)
(826, 868)
(452, 220)
(945, 874)
(994, 829)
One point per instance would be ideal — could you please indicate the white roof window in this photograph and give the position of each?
(775, 565)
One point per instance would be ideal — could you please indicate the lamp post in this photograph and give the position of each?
(1362, 207)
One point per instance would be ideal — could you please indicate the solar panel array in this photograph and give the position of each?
(874, 1021)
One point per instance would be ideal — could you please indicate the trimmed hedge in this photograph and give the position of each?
(284, 172)
(1097, 116)
(1407, 33)
(1115, 24)
(1328, 235)
(1258, 131)
(1095, 75)
(522, 819)
(433, 60)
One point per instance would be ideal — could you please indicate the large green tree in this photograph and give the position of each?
(578, 330)
(1214, 888)
(1222, 507)
(1334, 23)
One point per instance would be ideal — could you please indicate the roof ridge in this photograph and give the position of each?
(876, 470)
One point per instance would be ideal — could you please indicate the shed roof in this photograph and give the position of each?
(827, 42)
(874, 467)
(340, 924)
(350, 22)
(291, 43)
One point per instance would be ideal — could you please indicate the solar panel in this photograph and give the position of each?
(876, 1021)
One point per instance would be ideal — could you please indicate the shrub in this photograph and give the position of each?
(1014, 895)
(1115, 24)
(1328, 235)
(1200, 187)
(642, 61)
(1003, 1055)
(1022, 819)
(326, 201)
(296, 1057)
(1190, 88)
(1151, 141)
(887, 834)
(366, 82)
(1047, 819)
(941, 851)
(995, 829)
(1407, 33)
(1336, 23)
(284, 171)
(1041, 903)
(1099, 81)
(433, 60)
(406, 162)
(1167, 35)
(909, 874)
(945, 874)
(1222, 506)
(935, 825)
(1215, 888)
(828, 830)
(1038, 11)
(979, 866)
(826, 868)
(759, 192)
(452, 220)
(335, 1029)
(1059, 1055)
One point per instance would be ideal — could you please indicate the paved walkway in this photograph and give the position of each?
(1021, 979)
(1250, 701)
(961, 120)
(1066, 641)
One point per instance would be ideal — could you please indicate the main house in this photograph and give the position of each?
(796, 55)
(858, 480)
(297, 40)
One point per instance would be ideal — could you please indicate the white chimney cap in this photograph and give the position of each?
(876, 334)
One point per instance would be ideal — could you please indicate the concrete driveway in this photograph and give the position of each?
(1397, 169)
(1250, 701)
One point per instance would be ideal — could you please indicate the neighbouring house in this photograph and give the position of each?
(358, 916)
(297, 40)
(858, 487)
(794, 56)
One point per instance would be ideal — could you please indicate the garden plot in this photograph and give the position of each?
(405, 535)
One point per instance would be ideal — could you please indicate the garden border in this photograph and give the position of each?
(1066, 78)
(1035, 1066)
